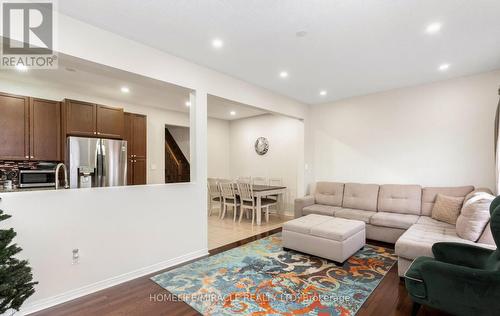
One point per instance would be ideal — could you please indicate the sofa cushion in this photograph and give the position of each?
(447, 208)
(426, 220)
(418, 240)
(361, 196)
(320, 209)
(487, 236)
(329, 193)
(338, 229)
(304, 224)
(394, 220)
(429, 196)
(403, 199)
(359, 215)
(475, 215)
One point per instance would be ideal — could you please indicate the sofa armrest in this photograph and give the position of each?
(461, 254)
(300, 203)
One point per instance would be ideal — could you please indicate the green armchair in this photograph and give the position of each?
(461, 279)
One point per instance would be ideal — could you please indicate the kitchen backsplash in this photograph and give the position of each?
(9, 170)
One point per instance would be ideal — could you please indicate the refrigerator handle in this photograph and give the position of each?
(99, 164)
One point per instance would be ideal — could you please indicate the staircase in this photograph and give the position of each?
(177, 168)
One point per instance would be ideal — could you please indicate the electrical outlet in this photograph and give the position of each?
(76, 256)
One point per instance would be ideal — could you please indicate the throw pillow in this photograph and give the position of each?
(475, 215)
(447, 208)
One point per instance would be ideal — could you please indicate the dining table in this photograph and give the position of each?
(261, 191)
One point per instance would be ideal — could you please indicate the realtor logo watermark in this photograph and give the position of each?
(28, 31)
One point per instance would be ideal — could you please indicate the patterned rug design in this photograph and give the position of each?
(259, 278)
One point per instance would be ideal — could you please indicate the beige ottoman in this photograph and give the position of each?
(324, 236)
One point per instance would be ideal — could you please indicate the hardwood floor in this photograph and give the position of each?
(144, 297)
(226, 231)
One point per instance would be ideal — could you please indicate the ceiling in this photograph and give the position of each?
(104, 82)
(350, 47)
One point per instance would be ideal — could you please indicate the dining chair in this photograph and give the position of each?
(214, 196)
(248, 202)
(259, 181)
(244, 179)
(229, 198)
(279, 198)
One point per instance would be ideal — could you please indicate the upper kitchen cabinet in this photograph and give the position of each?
(109, 122)
(45, 130)
(93, 120)
(14, 125)
(31, 128)
(79, 118)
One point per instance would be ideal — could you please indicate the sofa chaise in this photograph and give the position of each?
(398, 214)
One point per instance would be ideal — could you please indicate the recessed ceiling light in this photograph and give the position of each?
(125, 89)
(284, 74)
(301, 34)
(444, 67)
(188, 104)
(322, 92)
(433, 28)
(21, 67)
(233, 113)
(217, 43)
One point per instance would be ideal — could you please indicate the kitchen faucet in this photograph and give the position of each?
(59, 165)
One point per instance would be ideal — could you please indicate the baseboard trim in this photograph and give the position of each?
(101, 285)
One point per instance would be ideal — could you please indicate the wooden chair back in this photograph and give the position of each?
(275, 182)
(213, 188)
(260, 181)
(245, 191)
(227, 190)
(244, 179)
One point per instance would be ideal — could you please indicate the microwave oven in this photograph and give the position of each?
(37, 178)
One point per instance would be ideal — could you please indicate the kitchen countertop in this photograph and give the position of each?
(25, 189)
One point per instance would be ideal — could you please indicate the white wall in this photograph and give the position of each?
(436, 134)
(128, 231)
(218, 143)
(157, 118)
(284, 158)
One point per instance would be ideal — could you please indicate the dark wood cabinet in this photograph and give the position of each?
(45, 130)
(92, 120)
(139, 132)
(139, 171)
(30, 128)
(109, 122)
(14, 127)
(135, 133)
(80, 118)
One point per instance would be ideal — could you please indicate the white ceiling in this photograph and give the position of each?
(352, 47)
(105, 83)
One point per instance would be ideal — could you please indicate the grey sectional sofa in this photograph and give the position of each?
(398, 214)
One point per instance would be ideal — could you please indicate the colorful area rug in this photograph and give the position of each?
(260, 278)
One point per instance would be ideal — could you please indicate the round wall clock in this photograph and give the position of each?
(261, 146)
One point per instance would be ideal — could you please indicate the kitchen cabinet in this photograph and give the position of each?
(109, 122)
(92, 120)
(14, 127)
(79, 118)
(45, 130)
(135, 133)
(139, 171)
(30, 128)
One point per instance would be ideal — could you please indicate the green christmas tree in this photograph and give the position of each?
(16, 280)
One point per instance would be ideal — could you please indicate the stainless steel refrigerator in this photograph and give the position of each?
(97, 162)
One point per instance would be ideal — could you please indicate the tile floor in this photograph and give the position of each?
(223, 232)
